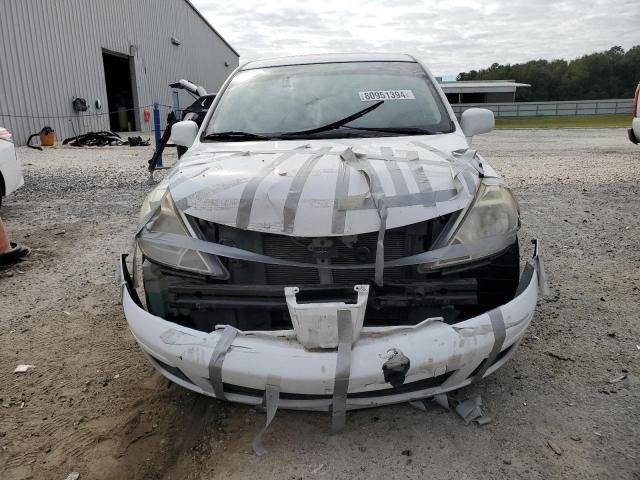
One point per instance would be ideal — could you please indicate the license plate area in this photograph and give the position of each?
(316, 323)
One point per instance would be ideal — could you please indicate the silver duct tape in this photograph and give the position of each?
(271, 400)
(543, 286)
(295, 190)
(499, 334)
(427, 199)
(471, 411)
(134, 266)
(342, 192)
(249, 192)
(399, 182)
(343, 371)
(217, 359)
(363, 165)
(422, 180)
(429, 148)
(471, 251)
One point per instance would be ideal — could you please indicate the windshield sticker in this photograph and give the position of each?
(371, 95)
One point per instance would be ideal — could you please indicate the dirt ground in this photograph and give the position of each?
(94, 405)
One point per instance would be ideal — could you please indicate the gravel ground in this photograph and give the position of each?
(94, 405)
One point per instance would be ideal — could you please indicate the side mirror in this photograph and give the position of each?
(184, 133)
(475, 121)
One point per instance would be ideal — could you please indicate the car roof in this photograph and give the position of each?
(328, 58)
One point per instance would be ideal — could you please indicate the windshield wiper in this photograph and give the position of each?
(337, 124)
(234, 136)
(400, 130)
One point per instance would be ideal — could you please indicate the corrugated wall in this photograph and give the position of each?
(51, 51)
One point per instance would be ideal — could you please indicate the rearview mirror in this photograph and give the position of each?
(475, 121)
(184, 133)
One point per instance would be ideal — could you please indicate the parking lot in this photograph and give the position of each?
(567, 404)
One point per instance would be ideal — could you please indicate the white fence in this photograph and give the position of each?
(539, 109)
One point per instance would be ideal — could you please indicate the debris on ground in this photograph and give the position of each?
(94, 139)
(471, 411)
(104, 139)
(556, 448)
(618, 379)
(561, 356)
(72, 476)
(23, 368)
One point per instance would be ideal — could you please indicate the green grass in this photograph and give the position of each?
(580, 121)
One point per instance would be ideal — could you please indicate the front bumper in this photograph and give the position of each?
(442, 357)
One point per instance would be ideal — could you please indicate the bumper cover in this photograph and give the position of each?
(442, 357)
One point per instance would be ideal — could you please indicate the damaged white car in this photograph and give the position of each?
(329, 242)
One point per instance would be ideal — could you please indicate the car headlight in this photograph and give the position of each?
(494, 212)
(493, 216)
(167, 219)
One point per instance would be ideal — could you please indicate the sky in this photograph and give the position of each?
(450, 36)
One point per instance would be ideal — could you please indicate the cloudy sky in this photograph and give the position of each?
(449, 35)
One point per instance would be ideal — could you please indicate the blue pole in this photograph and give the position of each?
(156, 127)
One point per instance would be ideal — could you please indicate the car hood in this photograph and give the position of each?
(317, 188)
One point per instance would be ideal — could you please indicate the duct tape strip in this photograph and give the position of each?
(295, 190)
(471, 411)
(343, 371)
(427, 198)
(342, 192)
(543, 287)
(440, 153)
(134, 266)
(471, 251)
(360, 163)
(217, 359)
(399, 182)
(499, 334)
(249, 192)
(271, 400)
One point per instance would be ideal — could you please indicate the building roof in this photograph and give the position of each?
(328, 58)
(211, 27)
(482, 86)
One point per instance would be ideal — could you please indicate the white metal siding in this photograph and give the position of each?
(51, 51)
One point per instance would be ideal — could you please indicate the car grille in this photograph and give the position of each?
(289, 248)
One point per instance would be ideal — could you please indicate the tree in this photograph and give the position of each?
(613, 73)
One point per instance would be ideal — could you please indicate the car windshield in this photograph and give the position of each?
(279, 100)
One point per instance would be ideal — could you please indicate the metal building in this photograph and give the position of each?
(117, 55)
(481, 91)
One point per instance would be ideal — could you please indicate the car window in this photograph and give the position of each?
(300, 97)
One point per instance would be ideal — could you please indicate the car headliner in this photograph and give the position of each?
(327, 58)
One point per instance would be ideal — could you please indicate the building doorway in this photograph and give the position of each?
(120, 79)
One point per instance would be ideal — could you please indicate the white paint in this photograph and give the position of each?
(433, 348)
(10, 167)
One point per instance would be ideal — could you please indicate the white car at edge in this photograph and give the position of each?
(10, 172)
(331, 235)
(634, 131)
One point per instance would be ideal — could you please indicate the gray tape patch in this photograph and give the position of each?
(217, 359)
(249, 192)
(295, 190)
(499, 334)
(271, 400)
(342, 192)
(363, 165)
(399, 183)
(343, 371)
